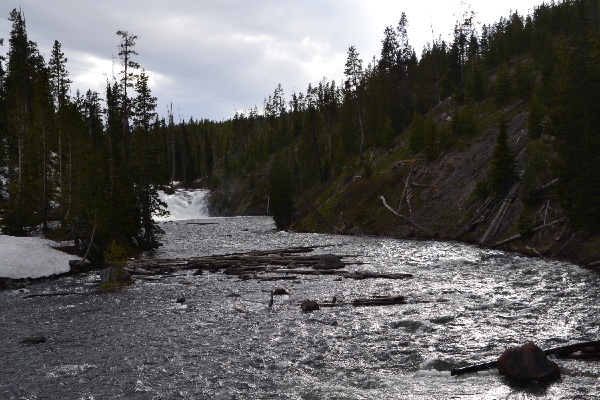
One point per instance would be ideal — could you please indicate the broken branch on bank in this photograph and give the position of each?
(386, 205)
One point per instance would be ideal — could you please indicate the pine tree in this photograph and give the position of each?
(60, 89)
(128, 78)
(280, 188)
(535, 117)
(502, 172)
(144, 106)
(22, 210)
(354, 73)
(503, 88)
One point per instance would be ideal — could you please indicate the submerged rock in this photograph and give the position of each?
(309, 305)
(280, 292)
(329, 261)
(34, 340)
(526, 364)
(115, 275)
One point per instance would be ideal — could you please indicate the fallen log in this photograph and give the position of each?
(344, 274)
(54, 294)
(289, 261)
(379, 301)
(365, 275)
(364, 302)
(495, 224)
(473, 368)
(518, 236)
(567, 351)
(481, 215)
(276, 278)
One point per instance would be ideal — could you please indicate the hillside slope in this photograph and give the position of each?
(437, 200)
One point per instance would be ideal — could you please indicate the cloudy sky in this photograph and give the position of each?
(210, 58)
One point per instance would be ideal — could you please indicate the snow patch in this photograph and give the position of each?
(31, 257)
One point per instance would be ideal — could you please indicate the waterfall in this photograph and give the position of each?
(185, 204)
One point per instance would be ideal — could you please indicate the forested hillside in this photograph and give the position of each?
(493, 135)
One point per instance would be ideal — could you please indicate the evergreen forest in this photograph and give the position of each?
(88, 166)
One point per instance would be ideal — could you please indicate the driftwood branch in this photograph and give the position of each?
(379, 301)
(386, 205)
(369, 302)
(406, 190)
(473, 368)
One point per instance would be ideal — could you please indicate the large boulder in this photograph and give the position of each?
(526, 364)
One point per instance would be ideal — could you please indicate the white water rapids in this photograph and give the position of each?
(185, 204)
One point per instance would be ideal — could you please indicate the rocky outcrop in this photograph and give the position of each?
(527, 363)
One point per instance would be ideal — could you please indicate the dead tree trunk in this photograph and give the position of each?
(493, 228)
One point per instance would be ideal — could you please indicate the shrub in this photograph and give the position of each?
(115, 255)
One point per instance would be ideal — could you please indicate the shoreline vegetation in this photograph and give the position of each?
(490, 138)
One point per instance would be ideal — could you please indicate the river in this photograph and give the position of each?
(465, 305)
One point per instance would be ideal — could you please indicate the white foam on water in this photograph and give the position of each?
(185, 204)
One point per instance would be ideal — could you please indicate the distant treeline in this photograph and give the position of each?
(95, 165)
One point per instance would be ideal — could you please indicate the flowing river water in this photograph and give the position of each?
(465, 305)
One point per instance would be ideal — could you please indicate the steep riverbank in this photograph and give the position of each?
(437, 200)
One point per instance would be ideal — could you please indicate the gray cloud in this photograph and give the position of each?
(210, 57)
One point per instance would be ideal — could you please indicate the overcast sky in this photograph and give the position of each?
(210, 58)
